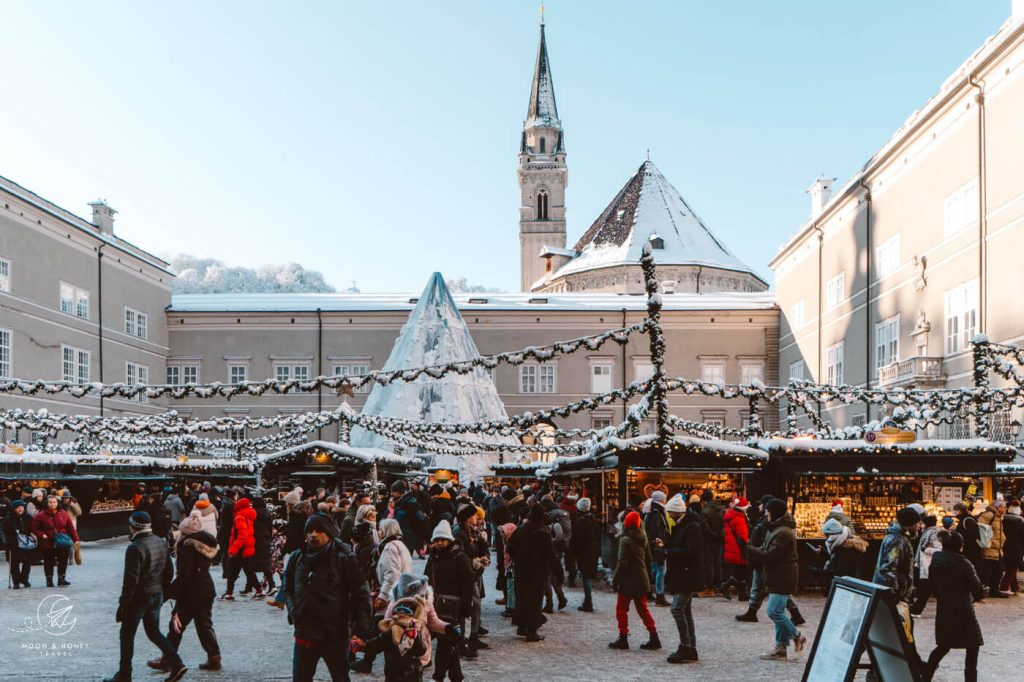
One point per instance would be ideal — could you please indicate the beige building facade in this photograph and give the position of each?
(77, 303)
(894, 273)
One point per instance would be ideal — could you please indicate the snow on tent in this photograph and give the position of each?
(436, 334)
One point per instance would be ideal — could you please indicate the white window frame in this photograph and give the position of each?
(887, 342)
(80, 360)
(643, 370)
(6, 353)
(887, 256)
(834, 362)
(961, 317)
(797, 370)
(601, 377)
(136, 323)
(74, 300)
(135, 373)
(232, 367)
(709, 368)
(5, 275)
(835, 291)
(356, 371)
(547, 378)
(174, 375)
(528, 378)
(183, 372)
(960, 208)
(600, 421)
(796, 315)
(745, 371)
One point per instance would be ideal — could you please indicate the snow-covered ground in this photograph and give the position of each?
(256, 640)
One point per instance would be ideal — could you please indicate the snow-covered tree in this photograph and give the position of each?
(211, 276)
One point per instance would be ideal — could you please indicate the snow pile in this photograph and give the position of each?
(435, 334)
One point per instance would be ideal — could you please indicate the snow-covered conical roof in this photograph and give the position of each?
(434, 334)
(649, 206)
(542, 110)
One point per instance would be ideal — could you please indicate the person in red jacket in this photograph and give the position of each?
(46, 525)
(736, 537)
(242, 550)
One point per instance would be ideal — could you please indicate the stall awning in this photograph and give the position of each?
(964, 447)
(336, 455)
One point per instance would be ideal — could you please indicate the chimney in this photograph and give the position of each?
(103, 216)
(820, 191)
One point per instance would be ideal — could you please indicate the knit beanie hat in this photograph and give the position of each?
(508, 494)
(17, 503)
(204, 496)
(1014, 508)
(140, 520)
(364, 512)
(695, 499)
(676, 505)
(776, 508)
(632, 520)
(583, 504)
(399, 486)
(443, 531)
(658, 496)
(190, 525)
(410, 585)
(320, 523)
(907, 516)
(947, 522)
(919, 508)
(832, 527)
(464, 513)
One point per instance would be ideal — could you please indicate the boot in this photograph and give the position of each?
(361, 666)
(709, 592)
(586, 607)
(176, 673)
(621, 643)
(49, 581)
(63, 582)
(501, 601)
(476, 643)
(749, 617)
(794, 615)
(548, 608)
(534, 637)
(212, 663)
(159, 664)
(481, 631)
(659, 600)
(684, 654)
(465, 651)
(562, 602)
(653, 642)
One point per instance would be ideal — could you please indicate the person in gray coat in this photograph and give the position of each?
(175, 507)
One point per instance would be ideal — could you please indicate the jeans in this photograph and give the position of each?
(588, 588)
(658, 575)
(785, 631)
(146, 610)
(333, 652)
(682, 613)
(757, 593)
(622, 613)
(202, 615)
(21, 564)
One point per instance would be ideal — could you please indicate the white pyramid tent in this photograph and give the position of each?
(435, 334)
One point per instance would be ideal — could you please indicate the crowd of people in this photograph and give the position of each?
(349, 570)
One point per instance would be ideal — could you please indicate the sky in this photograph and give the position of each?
(377, 141)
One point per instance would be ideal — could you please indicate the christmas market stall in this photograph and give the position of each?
(873, 481)
(105, 484)
(623, 471)
(518, 474)
(319, 464)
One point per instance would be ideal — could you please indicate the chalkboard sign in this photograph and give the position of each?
(860, 616)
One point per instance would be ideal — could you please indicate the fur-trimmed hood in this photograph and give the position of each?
(202, 542)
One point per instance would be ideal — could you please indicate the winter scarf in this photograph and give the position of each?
(834, 542)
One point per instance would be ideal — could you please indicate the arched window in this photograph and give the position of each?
(542, 146)
(542, 204)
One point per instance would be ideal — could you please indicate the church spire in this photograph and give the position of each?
(542, 111)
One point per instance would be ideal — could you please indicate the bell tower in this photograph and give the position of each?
(543, 174)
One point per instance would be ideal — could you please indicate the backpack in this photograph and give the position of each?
(984, 535)
(562, 518)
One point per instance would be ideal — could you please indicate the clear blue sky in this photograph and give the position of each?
(377, 141)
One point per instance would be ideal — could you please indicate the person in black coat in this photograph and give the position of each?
(410, 516)
(18, 522)
(684, 574)
(226, 519)
(193, 592)
(967, 528)
(586, 547)
(1013, 547)
(147, 576)
(532, 552)
(956, 587)
(451, 574)
(325, 591)
(263, 529)
(294, 530)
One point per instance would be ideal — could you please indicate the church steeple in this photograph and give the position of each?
(543, 174)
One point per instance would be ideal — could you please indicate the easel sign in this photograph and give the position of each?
(860, 615)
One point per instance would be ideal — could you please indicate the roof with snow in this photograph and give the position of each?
(362, 456)
(542, 111)
(477, 302)
(649, 206)
(434, 334)
(959, 447)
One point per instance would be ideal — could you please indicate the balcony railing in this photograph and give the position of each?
(912, 372)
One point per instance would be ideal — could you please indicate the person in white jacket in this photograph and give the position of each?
(928, 545)
(393, 560)
(206, 513)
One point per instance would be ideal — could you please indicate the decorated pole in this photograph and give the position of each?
(658, 392)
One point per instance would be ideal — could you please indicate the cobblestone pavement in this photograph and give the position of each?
(256, 640)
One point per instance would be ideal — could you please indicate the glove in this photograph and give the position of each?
(119, 616)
